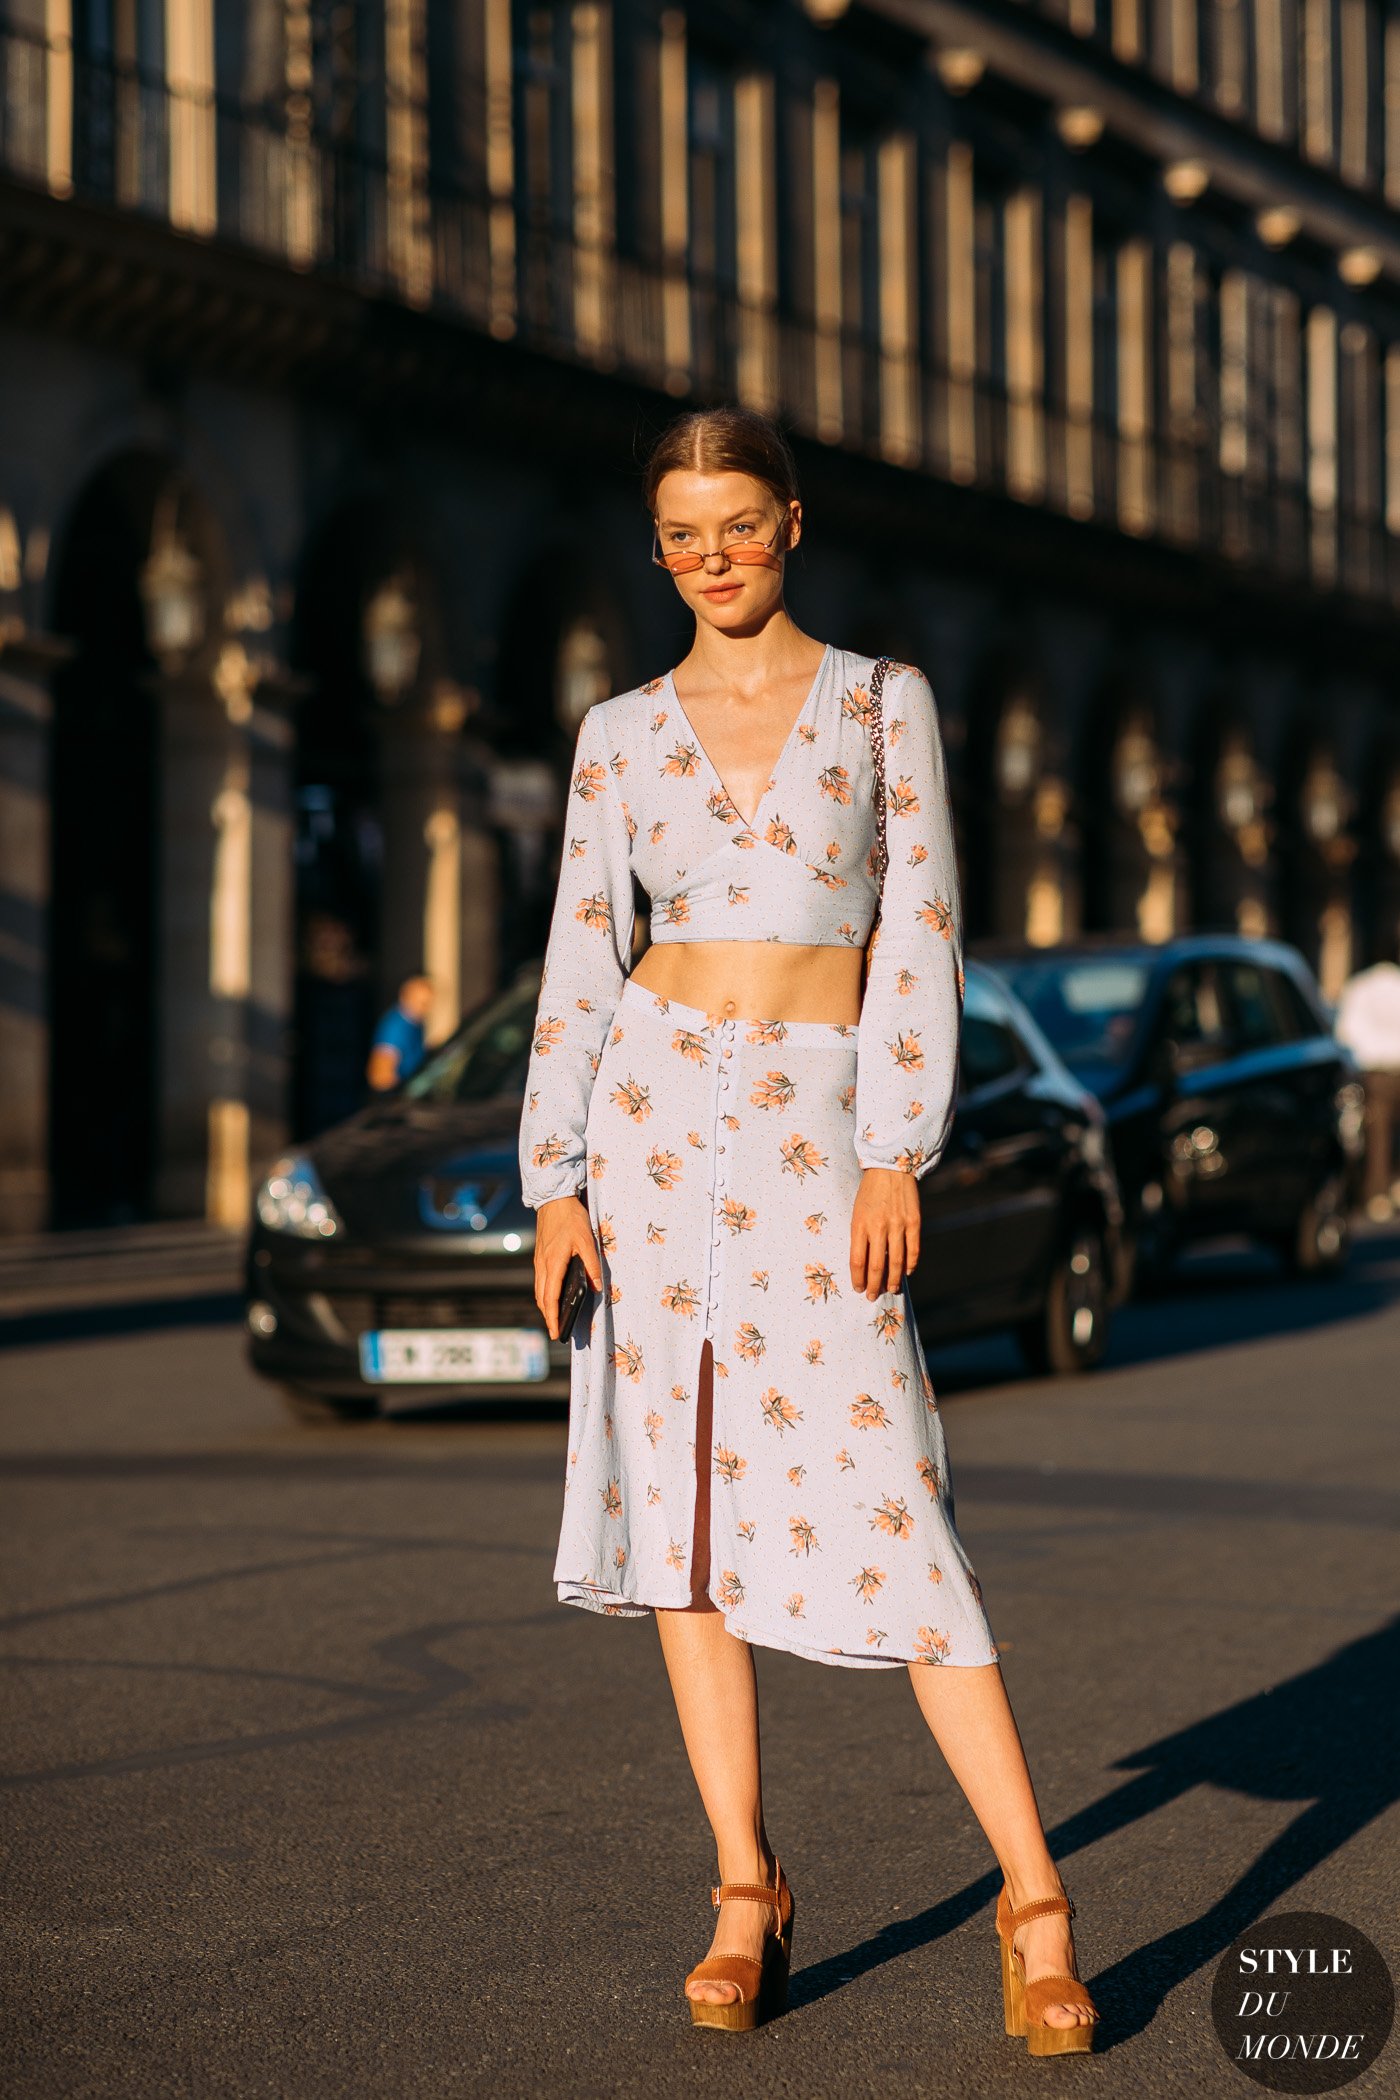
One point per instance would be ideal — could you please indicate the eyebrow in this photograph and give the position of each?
(748, 510)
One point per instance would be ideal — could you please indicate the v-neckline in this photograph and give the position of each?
(751, 823)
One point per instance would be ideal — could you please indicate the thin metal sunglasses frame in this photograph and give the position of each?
(756, 551)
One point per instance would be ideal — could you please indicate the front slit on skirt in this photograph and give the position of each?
(721, 1174)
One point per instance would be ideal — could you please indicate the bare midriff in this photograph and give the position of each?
(756, 980)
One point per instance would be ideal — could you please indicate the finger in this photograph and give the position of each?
(895, 1270)
(860, 1242)
(592, 1260)
(875, 1268)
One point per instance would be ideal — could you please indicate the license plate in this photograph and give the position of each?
(454, 1355)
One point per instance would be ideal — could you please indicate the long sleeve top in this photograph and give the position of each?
(644, 800)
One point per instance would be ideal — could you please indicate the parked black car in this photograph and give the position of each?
(1232, 1107)
(390, 1260)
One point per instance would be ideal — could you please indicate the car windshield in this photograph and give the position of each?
(487, 1056)
(1087, 1006)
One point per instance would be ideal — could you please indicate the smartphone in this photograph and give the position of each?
(572, 1293)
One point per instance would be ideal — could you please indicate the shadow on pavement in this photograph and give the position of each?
(1328, 1739)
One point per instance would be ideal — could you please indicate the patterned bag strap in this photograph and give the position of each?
(877, 749)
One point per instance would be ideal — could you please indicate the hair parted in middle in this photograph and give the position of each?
(723, 440)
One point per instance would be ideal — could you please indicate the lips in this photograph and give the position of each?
(721, 590)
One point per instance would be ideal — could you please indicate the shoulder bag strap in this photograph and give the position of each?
(877, 752)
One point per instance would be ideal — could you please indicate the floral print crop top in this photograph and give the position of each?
(644, 800)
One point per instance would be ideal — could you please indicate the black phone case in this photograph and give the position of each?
(572, 1293)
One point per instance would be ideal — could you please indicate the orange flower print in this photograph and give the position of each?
(633, 1100)
(729, 1465)
(807, 731)
(935, 913)
(612, 1499)
(855, 705)
(617, 1035)
(748, 1531)
(653, 1494)
(821, 1283)
(833, 849)
(887, 1322)
(780, 835)
(868, 1413)
(749, 1342)
(682, 761)
(589, 781)
(774, 1090)
(898, 1379)
(693, 1137)
(906, 1052)
(803, 1536)
(766, 1032)
(913, 1111)
(614, 1293)
(744, 839)
(691, 1045)
(815, 1221)
(549, 1152)
(901, 800)
(619, 1556)
(893, 1518)
(916, 856)
(608, 1427)
(825, 877)
(778, 1410)
(719, 805)
(844, 1462)
(658, 831)
(675, 911)
(664, 1167)
(930, 1476)
(835, 782)
(577, 848)
(935, 1573)
(607, 1238)
(875, 1637)
(931, 1646)
(731, 1590)
(731, 1122)
(678, 1392)
(737, 1216)
(847, 1098)
(758, 1279)
(797, 1474)
(738, 893)
(868, 1582)
(681, 1298)
(801, 1157)
(675, 1554)
(974, 1585)
(654, 685)
(596, 913)
(547, 1035)
(656, 1235)
(911, 1159)
(794, 1604)
(904, 982)
(812, 1352)
(627, 1358)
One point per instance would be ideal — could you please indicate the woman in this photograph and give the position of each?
(730, 1137)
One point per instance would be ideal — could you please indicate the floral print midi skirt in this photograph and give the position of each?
(721, 1175)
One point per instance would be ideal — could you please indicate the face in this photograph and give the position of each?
(702, 512)
(416, 998)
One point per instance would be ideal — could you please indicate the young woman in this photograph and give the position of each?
(730, 1136)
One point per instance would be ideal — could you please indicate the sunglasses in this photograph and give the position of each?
(744, 553)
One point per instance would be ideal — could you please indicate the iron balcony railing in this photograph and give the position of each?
(266, 180)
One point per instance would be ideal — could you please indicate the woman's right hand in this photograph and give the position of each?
(562, 1229)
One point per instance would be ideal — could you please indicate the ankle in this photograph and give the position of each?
(1033, 1883)
(751, 1861)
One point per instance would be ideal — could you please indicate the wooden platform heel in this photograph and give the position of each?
(762, 1985)
(1026, 2004)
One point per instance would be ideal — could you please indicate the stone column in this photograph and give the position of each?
(25, 718)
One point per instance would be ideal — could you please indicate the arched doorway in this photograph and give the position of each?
(564, 646)
(1229, 826)
(1008, 894)
(127, 575)
(1129, 865)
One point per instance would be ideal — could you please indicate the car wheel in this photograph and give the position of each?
(1070, 1332)
(320, 1408)
(1321, 1238)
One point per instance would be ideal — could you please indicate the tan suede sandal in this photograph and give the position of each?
(762, 1985)
(1026, 2004)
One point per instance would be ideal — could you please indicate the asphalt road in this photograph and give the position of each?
(311, 1789)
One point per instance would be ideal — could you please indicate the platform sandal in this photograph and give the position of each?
(1026, 2004)
(762, 1984)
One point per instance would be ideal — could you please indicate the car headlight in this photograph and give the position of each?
(293, 1200)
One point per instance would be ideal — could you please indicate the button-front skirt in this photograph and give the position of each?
(721, 1175)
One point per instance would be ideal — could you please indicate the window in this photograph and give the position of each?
(991, 1048)
(1193, 1017)
(1259, 1022)
(1088, 1008)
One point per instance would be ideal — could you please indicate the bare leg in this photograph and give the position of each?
(971, 1719)
(716, 1693)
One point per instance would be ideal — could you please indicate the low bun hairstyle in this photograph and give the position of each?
(722, 441)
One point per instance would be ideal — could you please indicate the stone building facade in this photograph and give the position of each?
(330, 338)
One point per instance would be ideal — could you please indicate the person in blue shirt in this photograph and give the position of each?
(399, 1045)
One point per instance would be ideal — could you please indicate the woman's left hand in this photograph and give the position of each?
(884, 1230)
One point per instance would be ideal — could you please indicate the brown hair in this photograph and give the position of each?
(723, 441)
